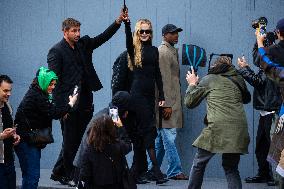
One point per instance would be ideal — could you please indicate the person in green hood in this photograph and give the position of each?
(226, 130)
(36, 111)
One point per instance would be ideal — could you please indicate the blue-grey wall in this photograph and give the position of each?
(30, 27)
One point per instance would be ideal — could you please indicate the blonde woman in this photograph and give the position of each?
(143, 61)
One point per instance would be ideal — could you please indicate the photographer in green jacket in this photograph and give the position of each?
(226, 130)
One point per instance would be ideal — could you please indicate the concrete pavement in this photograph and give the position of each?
(46, 183)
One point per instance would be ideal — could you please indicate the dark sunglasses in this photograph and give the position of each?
(145, 31)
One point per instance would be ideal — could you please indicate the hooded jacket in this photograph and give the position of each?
(227, 130)
(36, 110)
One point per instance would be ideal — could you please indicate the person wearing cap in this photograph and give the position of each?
(8, 136)
(276, 52)
(169, 117)
(275, 72)
(36, 111)
(267, 99)
(120, 100)
(226, 129)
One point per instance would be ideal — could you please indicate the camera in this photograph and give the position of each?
(260, 25)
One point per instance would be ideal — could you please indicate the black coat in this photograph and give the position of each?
(276, 53)
(7, 120)
(36, 111)
(266, 94)
(73, 70)
(104, 168)
(146, 77)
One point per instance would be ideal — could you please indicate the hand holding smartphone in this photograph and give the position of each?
(113, 112)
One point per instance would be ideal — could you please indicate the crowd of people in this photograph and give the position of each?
(147, 94)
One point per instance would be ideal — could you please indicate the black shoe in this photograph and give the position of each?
(271, 182)
(63, 180)
(55, 177)
(256, 179)
(140, 180)
(161, 181)
(149, 175)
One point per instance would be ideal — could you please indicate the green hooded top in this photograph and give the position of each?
(45, 76)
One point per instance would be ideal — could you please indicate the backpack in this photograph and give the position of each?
(121, 76)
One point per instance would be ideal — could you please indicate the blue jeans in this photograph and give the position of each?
(29, 158)
(230, 164)
(7, 176)
(165, 145)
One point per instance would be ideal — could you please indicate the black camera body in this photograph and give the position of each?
(260, 25)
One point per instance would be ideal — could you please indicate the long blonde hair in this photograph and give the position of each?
(137, 44)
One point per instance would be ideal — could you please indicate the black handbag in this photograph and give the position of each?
(38, 137)
(127, 179)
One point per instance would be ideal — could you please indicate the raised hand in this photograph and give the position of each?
(191, 78)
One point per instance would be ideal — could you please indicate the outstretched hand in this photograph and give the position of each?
(242, 62)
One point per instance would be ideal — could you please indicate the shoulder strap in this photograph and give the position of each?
(236, 83)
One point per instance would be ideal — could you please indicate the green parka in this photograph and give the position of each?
(226, 130)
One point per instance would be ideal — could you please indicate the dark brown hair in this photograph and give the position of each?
(70, 22)
(6, 79)
(102, 132)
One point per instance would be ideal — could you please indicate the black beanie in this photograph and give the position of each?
(121, 100)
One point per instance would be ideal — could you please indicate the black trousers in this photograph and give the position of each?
(139, 164)
(73, 128)
(263, 144)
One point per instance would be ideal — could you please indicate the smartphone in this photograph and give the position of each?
(113, 112)
(75, 90)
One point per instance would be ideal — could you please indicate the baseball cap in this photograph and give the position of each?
(280, 25)
(170, 28)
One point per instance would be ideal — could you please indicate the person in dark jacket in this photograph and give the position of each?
(275, 73)
(120, 100)
(104, 159)
(8, 136)
(267, 99)
(36, 111)
(71, 60)
(121, 81)
(143, 61)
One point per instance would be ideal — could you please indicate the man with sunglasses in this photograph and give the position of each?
(170, 115)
